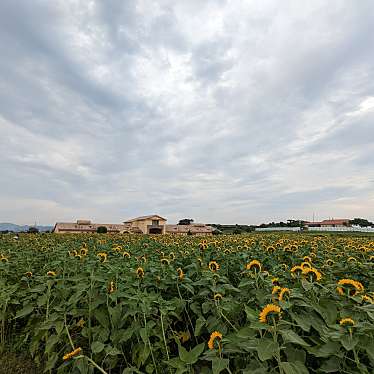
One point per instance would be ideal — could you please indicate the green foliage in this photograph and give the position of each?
(59, 292)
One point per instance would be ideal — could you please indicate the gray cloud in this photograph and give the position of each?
(224, 111)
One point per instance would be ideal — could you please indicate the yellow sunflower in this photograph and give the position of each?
(269, 309)
(347, 322)
(353, 286)
(28, 274)
(218, 296)
(283, 292)
(76, 352)
(140, 272)
(165, 261)
(296, 271)
(180, 273)
(213, 266)
(215, 337)
(312, 273)
(254, 264)
(51, 273)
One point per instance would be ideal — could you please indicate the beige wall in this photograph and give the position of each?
(143, 225)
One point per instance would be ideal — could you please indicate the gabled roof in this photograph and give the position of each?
(142, 218)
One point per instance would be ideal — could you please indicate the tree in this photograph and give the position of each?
(237, 231)
(361, 222)
(33, 230)
(102, 230)
(185, 221)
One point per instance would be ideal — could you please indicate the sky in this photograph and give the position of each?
(224, 111)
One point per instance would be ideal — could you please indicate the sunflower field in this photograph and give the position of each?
(259, 303)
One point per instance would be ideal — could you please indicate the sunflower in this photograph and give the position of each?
(254, 264)
(218, 296)
(296, 271)
(165, 261)
(329, 262)
(126, 254)
(28, 274)
(140, 272)
(313, 274)
(269, 309)
(275, 290)
(352, 259)
(76, 352)
(102, 256)
(81, 323)
(111, 287)
(172, 256)
(51, 273)
(347, 322)
(306, 265)
(84, 251)
(367, 299)
(275, 282)
(4, 259)
(180, 273)
(213, 266)
(283, 292)
(307, 259)
(353, 286)
(184, 336)
(215, 336)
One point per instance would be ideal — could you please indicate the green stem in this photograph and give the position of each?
(163, 335)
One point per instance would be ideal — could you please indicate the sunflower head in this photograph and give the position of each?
(284, 292)
(83, 251)
(76, 352)
(306, 264)
(184, 336)
(367, 299)
(140, 272)
(4, 259)
(180, 273)
(165, 261)
(269, 311)
(329, 262)
(51, 273)
(126, 254)
(313, 274)
(275, 282)
(28, 274)
(275, 290)
(307, 259)
(255, 265)
(111, 287)
(349, 286)
(296, 271)
(102, 256)
(347, 322)
(218, 296)
(213, 266)
(215, 338)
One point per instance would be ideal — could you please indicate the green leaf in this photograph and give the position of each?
(102, 317)
(294, 368)
(290, 336)
(51, 362)
(200, 323)
(302, 320)
(24, 311)
(326, 350)
(349, 342)
(51, 341)
(266, 349)
(252, 315)
(192, 356)
(219, 364)
(332, 365)
(294, 354)
(97, 347)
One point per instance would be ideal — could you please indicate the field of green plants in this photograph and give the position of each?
(259, 303)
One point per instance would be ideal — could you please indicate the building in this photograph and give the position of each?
(198, 229)
(152, 224)
(86, 226)
(329, 223)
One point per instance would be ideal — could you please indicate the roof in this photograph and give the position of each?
(329, 222)
(193, 228)
(143, 218)
(92, 227)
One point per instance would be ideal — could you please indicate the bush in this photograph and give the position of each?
(102, 230)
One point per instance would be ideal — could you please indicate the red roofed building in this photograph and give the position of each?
(344, 222)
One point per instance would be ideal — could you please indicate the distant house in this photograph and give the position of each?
(151, 224)
(86, 226)
(329, 223)
(198, 229)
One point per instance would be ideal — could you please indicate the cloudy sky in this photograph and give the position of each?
(226, 111)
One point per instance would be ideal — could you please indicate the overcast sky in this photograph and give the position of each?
(220, 110)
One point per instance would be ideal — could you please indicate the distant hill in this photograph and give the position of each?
(18, 228)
